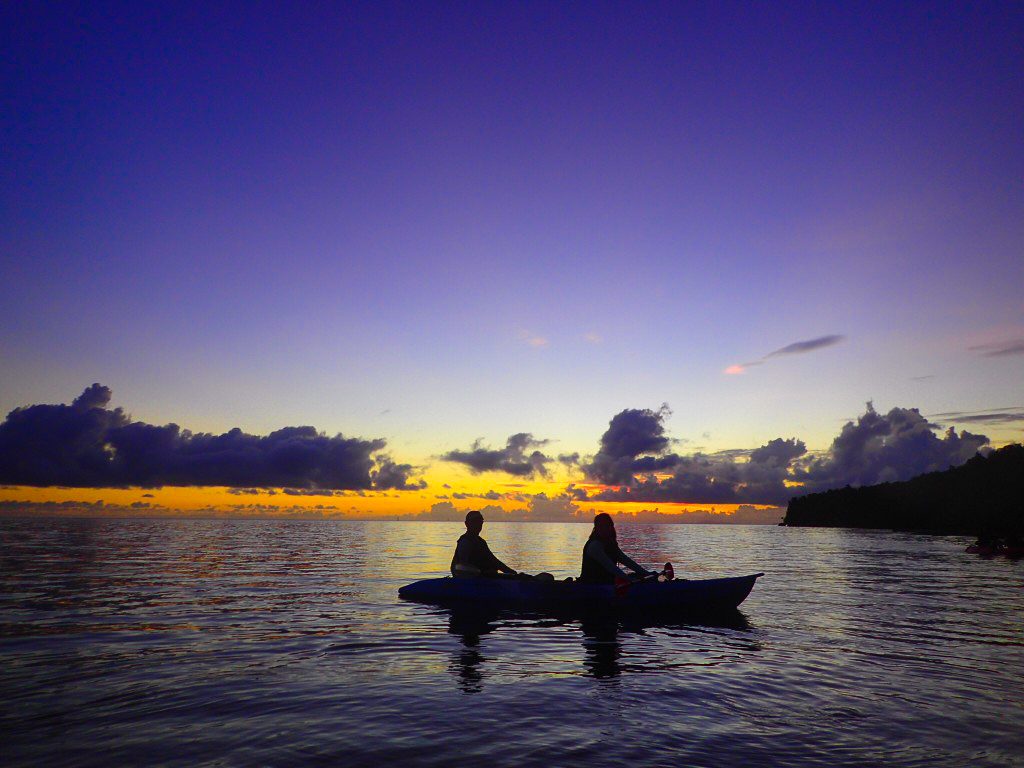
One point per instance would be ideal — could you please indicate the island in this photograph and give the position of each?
(983, 495)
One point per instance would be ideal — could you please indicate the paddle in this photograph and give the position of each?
(622, 585)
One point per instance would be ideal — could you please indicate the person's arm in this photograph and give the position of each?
(595, 551)
(623, 558)
(504, 568)
(496, 564)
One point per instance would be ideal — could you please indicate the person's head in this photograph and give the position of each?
(604, 528)
(474, 521)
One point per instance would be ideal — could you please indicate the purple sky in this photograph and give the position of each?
(437, 222)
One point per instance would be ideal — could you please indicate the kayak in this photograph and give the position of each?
(680, 595)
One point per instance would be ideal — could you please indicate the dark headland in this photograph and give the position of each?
(986, 494)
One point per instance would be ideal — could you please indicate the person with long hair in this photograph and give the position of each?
(601, 555)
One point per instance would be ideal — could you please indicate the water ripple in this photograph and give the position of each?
(182, 642)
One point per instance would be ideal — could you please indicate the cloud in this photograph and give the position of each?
(557, 509)
(996, 416)
(634, 442)
(310, 492)
(745, 514)
(593, 338)
(802, 347)
(443, 511)
(95, 396)
(730, 477)
(145, 509)
(489, 496)
(388, 474)
(796, 348)
(1000, 348)
(634, 465)
(633, 456)
(569, 459)
(562, 508)
(88, 445)
(878, 448)
(513, 458)
(532, 339)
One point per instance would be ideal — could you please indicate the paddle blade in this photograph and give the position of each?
(670, 572)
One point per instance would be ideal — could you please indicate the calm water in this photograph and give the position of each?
(283, 643)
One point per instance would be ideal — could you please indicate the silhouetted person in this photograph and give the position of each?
(472, 555)
(602, 555)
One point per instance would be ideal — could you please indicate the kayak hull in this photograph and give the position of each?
(678, 596)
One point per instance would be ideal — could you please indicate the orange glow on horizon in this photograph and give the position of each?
(452, 486)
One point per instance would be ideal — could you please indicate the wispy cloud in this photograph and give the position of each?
(1014, 415)
(800, 347)
(532, 339)
(593, 338)
(1000, 348)
(796, 348)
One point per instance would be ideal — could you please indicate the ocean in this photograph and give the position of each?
(185, 642)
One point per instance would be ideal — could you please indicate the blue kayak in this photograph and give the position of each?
(680, 595)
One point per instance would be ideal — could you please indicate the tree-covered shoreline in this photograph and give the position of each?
(986, 494)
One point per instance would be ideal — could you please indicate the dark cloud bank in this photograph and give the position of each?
(88, 445)
(633, 458)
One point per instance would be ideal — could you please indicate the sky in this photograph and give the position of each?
(433, 227)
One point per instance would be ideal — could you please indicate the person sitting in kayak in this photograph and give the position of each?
(472, 555)
(601, 555)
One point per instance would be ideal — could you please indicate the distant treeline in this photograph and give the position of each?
(984, 495)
